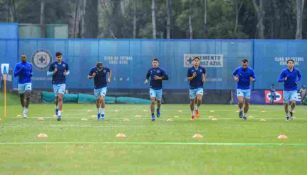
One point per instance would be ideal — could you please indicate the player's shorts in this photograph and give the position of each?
(24, 87)
(245, 93)
(59, 89)
(101, 92)
(290, 96)
(194, 92)
(155, 93)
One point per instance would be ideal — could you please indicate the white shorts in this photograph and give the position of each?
(156, 94)
(24, 87)
(102, 92)
(194, 92)
(59, 89)
(290, 96)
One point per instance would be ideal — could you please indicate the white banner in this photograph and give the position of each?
(206, 60)
(5, 68)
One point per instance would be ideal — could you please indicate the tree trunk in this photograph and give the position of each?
(190, 20)
(299, 19)
(42, 19)
(153, 16)
(205, 18)
(134, 19)
(168, 20)
(260, 17)
(91, 19)
(237, 6)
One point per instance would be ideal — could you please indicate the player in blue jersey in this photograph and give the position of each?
(196, 76)
(243, 76)
(290, 77)
(58, 70)
(155, 76)
(101, 75)
(23, 70)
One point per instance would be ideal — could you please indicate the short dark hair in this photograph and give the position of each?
(156, 59)
(244, 60)
(58, 54)
(99, 64)
(195, 58)
(290, 60)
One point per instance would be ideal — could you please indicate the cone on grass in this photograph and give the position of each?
(42, 136)
(197, 136)
(282, 137)
(121, 135)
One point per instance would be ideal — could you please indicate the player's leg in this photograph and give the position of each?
(60, 96)
(286, 104)
(199, 99)
(27, 96)
(21, 91)
(98, 103)
(192, 94)
(56, 99)
(240, 102)
(246, 100)
(153, 96)
(159, 99)
(102, 101)
(293, 98)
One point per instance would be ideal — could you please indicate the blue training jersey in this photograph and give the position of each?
(151, 73)
(59, 77)
(23, 71)
(196, 82)
(100, 80)
(244, 77)
(293, 77)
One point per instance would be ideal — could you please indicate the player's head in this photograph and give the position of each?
(290, 63)
(244, 63)
(23, 58)
(99, 66)
(196, 61)
(59, 56)
(155, 62)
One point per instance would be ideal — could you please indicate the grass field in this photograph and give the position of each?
(79, 144)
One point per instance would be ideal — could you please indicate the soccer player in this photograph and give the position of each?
(196, 76)
(155, 75)
(243, 76)
(290, 77)
(58, 70)
(101, 75)
(273, 94)
(23, 70)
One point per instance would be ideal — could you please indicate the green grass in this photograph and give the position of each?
(76, 146)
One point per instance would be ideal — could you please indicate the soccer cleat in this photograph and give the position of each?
(98, 116)
(288, 117)
(56, 111)
(241, 114)
(158, 113)
(59, 118)
(25, 113)
(193, 117)
(244, 117)
(291, 115)
(102, 116)
(153, 118)
(197, 114)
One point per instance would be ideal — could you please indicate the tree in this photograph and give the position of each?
(258, 5)
(299, 19)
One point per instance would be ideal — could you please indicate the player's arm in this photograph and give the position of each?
(299, 76)
(52, 70)
(235, 75)
(109, 75)
(17, 70)
(163, 76)
(31, 72)
(91, 74)
(204, 75)
(252, 77)
(191, 76)
(282, 77)
(66, 71)
(147, 77)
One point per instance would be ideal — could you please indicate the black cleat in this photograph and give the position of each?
(241, 114)
(59, 118)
